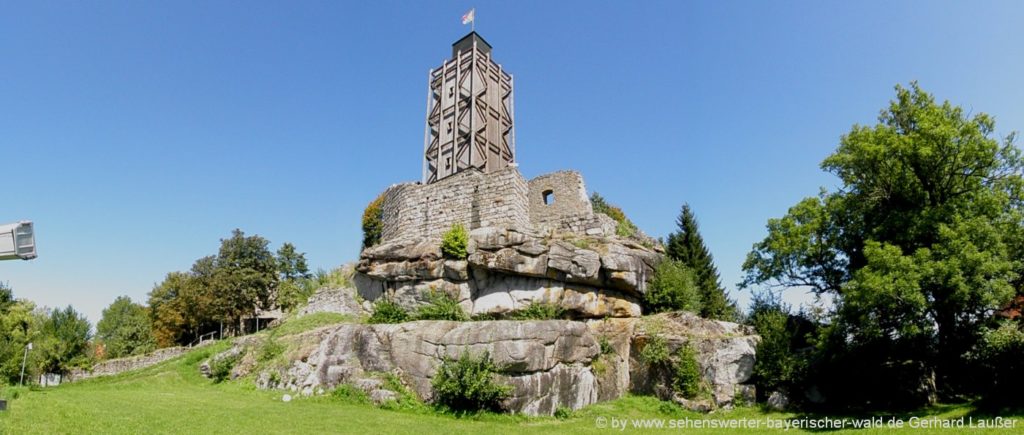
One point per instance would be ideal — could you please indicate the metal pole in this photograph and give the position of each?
(23, 360)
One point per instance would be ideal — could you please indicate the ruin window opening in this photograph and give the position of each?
(549, 197)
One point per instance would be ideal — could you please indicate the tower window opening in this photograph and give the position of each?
(549, 197)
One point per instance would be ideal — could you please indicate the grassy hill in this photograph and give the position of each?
(173, 397)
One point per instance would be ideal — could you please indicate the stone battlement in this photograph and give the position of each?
(552, 202)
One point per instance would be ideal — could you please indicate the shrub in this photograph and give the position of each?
(385, 311)
(350, 394)
(686, 378)
(672, 288)
(655, 351)
(563, 412)
(778, 365)
(270, 350)
(373, 222)
(441, 306)
(625, 227)
(1000, 356)
(538, 311)
(220, 368)
(606, 346)
(454, 242)
(407, 400)
(468, 384)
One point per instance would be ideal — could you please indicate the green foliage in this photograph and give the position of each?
(777, 366)
(655, 350)
(218, 290)
(468, 384)
(919, 245)
(245, 276)
(581, 243)
(125, 329)
(538, 311)
(385, 311)
(220, 368)
(625, 227)
(19, 325)
(65, 341)
(373, 222)
(606, 346)
(440, 306)
(672, 288)
(686, 245)
(454, 242)
(291, 264)
(407, 400)
(686, 377)
(270, 350)
(350, 394)
(563, 412)
(1000, 354)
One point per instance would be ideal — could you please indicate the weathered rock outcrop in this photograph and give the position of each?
(549, 363)
(506, 270)
(333, 300)
(725, 353)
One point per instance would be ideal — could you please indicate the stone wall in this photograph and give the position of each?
(120, 365)
(557, 198)
(474, 199)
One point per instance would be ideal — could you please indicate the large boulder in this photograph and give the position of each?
(506, 270)
(725, 354)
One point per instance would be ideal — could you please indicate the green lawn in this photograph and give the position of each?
(173, 398)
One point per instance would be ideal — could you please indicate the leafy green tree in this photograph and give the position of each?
(65, 341)
(6, 297)
(919, 246)
(673, 287)
(245, 276)
(687, 246)
(778, 366)
(291, 264)
(125, 329)
(18, 327)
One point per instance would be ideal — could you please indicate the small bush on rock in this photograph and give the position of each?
(373, 222)
(441, 306)
(385, 311)
(220, 368)
(672, 288)
(655, 351)
(538, 311)
(454, 243)
(468, 384)
(686, 373)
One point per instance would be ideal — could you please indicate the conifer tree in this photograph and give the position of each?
(687, 246)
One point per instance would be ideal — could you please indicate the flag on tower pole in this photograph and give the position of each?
(470, 18)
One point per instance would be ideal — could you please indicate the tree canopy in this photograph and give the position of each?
(919, 246)
(686, 245)
(125, 329)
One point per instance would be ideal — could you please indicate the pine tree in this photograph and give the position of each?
(687, 246)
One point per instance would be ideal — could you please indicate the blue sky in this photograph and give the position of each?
(137, 134)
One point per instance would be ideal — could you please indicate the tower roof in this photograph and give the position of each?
(466, 43)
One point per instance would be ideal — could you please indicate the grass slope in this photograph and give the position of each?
(173, 398)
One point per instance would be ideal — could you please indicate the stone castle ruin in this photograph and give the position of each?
(529, 241)
(535, 240)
